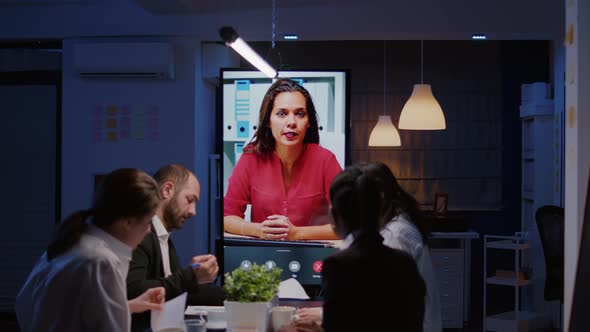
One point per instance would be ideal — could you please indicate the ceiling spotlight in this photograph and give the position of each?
(478, 36)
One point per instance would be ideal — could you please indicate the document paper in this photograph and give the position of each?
(171, 316)
(292, 289)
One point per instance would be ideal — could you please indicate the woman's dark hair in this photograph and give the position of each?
(356, 203)
(263, 143)
(400, 202)
(124, 193)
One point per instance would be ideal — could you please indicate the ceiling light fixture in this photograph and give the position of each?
(422, 111)
(384, 134)
(232, 39)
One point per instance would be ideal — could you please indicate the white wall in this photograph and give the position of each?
(185, 113)
(577, 138)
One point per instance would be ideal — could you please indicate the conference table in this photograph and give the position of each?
(292, 303)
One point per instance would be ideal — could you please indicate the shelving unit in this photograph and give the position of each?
(517, 319)
(538, 181)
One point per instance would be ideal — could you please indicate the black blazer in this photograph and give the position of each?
(146, 271)
(371, 286)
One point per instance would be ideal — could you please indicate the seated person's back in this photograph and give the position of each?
(368, 284)
(376, 286)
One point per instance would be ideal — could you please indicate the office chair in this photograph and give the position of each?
(550, 223)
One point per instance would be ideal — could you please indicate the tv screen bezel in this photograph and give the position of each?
(219, 139)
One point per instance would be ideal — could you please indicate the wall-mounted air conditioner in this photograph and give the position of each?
(130, 60)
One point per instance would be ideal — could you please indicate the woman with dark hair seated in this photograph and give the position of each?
(78, 284)
(401, 229)
(368, 283)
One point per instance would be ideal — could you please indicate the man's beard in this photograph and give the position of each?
(172, 215)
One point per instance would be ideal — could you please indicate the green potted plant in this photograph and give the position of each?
(249, 295)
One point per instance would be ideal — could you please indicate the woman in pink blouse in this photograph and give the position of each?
(283, 173)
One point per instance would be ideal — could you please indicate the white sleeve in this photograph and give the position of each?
(105, 308)
(401, 235)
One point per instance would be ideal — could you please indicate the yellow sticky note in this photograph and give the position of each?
(571, 113)
(569, 37)
(112, 136)
(111, 110)
(111, 123)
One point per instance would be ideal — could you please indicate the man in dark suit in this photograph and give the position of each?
(155, 262)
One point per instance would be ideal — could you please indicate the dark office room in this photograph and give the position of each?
(496, 170)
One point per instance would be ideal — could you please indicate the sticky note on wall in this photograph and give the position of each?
(569, 37)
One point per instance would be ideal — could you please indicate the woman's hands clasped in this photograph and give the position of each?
(277, 227)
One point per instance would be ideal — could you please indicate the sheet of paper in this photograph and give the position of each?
(292, 289)
(171, 316)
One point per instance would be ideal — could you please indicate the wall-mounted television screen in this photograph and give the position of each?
(242, 96)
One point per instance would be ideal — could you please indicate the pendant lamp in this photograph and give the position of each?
(422, 111)
(384, 134)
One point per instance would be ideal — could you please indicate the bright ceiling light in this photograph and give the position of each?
(233, 40)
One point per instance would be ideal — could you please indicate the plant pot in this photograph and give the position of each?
(247, 315)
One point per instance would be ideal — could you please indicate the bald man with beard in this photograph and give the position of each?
(155, 262)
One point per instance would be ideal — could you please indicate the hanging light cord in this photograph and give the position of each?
(384, 77)
(421, 61)
(274, 18)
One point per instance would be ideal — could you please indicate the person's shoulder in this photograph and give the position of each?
(401, 226)
(94, 250)
(319, 153)
(252, 158)
(400, 256)
(316, 148)
(148, 241)
(82, 261)
(250, 155)
(338, 260)
(350, 254)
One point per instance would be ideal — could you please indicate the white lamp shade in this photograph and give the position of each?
(384, 133)
(422, 111)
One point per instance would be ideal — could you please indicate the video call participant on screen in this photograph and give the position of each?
(155, 262)
(283, 172)
(79, 282)
(367, 281)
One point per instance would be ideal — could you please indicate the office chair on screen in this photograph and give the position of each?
(550, 223)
